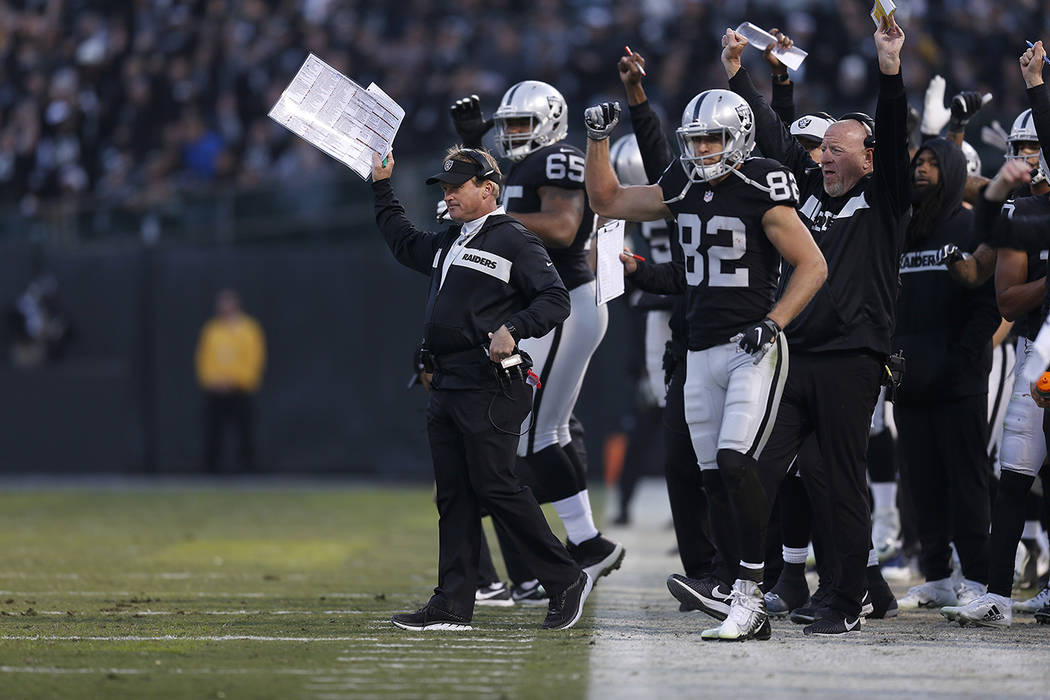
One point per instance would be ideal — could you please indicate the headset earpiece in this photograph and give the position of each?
(867, 122)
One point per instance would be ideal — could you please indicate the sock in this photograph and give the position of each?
(795, 555)
(873, 558)
(575, 514)
(752, 572)
(885, 495)
(1031, 530)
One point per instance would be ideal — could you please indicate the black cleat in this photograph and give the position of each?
(597, 556)
(706, 594)
(565, 608)
(1042, 616)
(431, 618)
(883, 604)
(495, 594)
(788, 594)
(529, 593)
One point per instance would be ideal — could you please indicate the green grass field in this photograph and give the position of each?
(234, 592)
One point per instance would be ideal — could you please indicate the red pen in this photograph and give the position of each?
(630, 53)
(637, 257)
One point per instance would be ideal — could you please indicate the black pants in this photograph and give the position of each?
(220, 409)
(685, 488)
(474, 470)
(947, 472)
(831, 395)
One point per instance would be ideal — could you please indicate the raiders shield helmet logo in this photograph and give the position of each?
(555, 105)
(448, 165)
(804, 122)
(744, 113)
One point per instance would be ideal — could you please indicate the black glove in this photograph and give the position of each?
(470, 124)
(949, 255)
(964, 106)
(601, 120)
(759, 340)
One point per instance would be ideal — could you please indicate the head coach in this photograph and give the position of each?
(491, 284)
(856, 206)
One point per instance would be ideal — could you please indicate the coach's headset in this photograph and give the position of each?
(867, 122)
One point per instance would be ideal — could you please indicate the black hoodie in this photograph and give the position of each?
(944, 329)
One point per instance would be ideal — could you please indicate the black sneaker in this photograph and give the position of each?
(788, 594)
(430, 618)
(883, 604)
(597, 556)
(1042, 616)
(565, 608)
(831, 624)
(706, 594)
(808, 614)
(495, 594)
(529, 593)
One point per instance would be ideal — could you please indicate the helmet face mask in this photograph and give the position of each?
(544, 108)
(1022, 132)
(715, 113)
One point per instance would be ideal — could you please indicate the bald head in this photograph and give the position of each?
(844, 159)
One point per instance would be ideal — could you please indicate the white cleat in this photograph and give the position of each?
(1040, 601)
(988, 610)
(968, 591)
(932, 594)
(747, 617)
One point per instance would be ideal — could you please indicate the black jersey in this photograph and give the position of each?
(560, 165)
(1037, 205)
(731, 268)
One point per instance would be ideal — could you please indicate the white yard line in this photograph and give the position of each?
(133, 613)
(171, 637)
(51, 670)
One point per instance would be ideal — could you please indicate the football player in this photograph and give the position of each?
(544, 190)
(736, 217)
(1020, 289)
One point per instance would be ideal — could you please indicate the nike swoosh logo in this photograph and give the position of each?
(549, 264)
(850, 626)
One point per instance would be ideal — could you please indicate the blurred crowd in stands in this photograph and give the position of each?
(132, 101)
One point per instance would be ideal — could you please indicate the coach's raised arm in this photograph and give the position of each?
(889, 147)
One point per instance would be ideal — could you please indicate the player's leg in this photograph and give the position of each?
(685, 490)
(562, 357)
(703, 397)
(752, 398)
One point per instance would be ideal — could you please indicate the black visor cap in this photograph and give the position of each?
(456, 172)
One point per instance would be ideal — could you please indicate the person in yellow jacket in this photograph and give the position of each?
(231, 355)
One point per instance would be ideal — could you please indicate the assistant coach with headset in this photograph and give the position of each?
(856, 206)
(491, 284)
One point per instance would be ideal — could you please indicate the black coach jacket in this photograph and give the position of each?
(503, 276)
(860, 233)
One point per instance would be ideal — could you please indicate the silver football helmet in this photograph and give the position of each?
(1023, 131)
(545, 109)
(973, 161)
(627, 161)
(719, 112)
